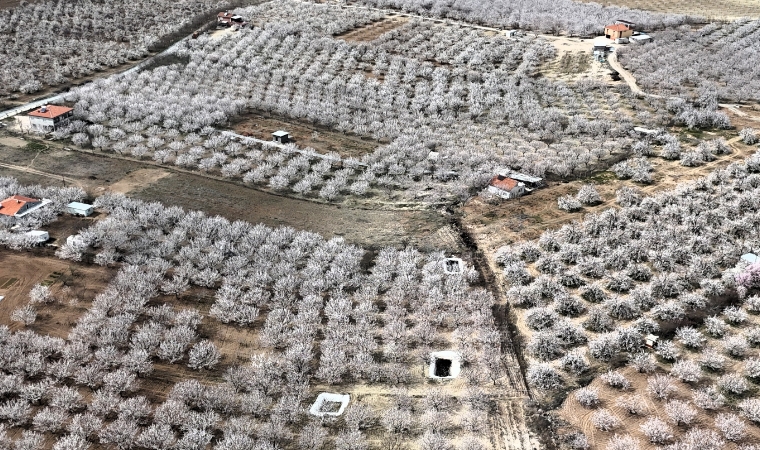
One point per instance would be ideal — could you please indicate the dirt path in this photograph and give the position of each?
(627, 76)
(66, 180)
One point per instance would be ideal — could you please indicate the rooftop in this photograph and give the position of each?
(50, 111)
(11, 205)
(618, 27)
(280, 133)
(503, 183)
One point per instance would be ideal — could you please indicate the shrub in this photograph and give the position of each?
(661, 386)
(657, 430)
(604, 420)
(686, 370)
(731, 425)
(587, 397)
(680, 412)
(616, 380)
(633, 404)
(733, 383)
(588, 195)
(569, 203)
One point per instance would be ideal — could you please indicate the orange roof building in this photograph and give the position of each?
(17, 205)
(506, 187)
(49, 118)
(618, 30)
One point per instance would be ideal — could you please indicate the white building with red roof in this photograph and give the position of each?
(506, 187)
(49, 118)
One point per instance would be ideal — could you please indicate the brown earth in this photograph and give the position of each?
(73, 284)
(304, 134)
(372, 31)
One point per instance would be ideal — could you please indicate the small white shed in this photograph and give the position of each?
(283, 137)
(79, 209)
(39, 236)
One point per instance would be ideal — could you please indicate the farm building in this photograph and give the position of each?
(79, 209)
(531, 183)
(49, 118)
(641, 38)
(19, 206)
(228, 19)
(283, 137)
(506, 187)
(618, 31)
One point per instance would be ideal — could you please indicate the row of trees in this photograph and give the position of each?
(717, 55)
(476, 112)
(317, 314)
(50, 42)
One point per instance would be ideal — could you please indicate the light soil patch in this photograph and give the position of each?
(580, 417)
(709, 9)
(221, 34)
(74, 285)
(304, 134)
(12, 141)
(139, 179)
(372, 31)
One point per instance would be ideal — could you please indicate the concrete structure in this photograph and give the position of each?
(506, 187)
(444, 365)
(650, 341)
(640, 38)
(618, 30)
(283, 137)
(79, 209)
(19, 206)
(328, 404)
(453, 265)
(39, 236)
(49, 118)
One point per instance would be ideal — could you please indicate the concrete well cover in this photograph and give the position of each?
(326, 398)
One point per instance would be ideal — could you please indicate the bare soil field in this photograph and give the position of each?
(372, 31)
(374, 228)
(73, 284)
(712, 10)
(304, 134)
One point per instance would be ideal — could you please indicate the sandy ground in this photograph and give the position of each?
(139, 179)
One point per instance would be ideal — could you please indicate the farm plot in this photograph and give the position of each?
(89, 37)
(712, 10)
(372, 31)
(224, 333)
(587, 296)
(699, 63)
(447, 128)
(305, 135)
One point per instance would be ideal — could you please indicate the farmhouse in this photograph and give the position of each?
(228, 19)
(19, 206)
(618, 30)
(283, 137)
(49, 118)
(506, 187)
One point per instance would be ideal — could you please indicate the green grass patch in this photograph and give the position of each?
(601, 177)
(36, 146)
